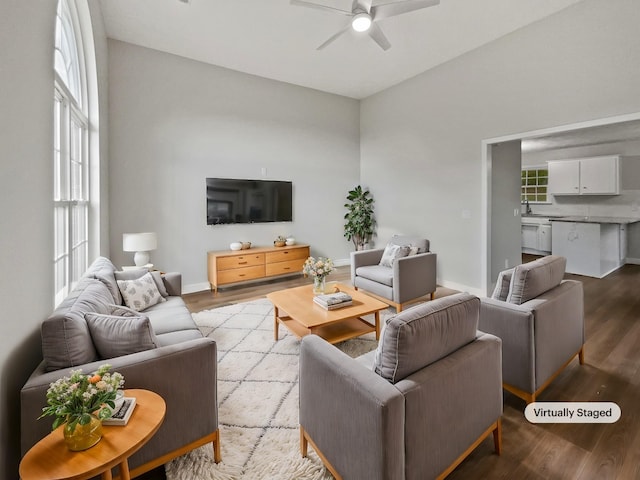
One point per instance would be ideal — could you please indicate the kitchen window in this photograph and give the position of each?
(534, 182)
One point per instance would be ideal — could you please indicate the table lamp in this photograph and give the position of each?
(142, 244)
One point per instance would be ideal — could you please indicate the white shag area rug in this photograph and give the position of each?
(257, 399)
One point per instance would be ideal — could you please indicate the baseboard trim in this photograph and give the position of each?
(462, 288)
(195, 288)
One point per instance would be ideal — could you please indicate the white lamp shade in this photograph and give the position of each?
(141, 243)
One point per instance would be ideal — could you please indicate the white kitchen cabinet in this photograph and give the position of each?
(544, 238)
(585, 176)
(529, 237)
(564, 177)
(536, 237)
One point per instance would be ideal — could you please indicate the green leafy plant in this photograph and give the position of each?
(359, 221)
(73, 399)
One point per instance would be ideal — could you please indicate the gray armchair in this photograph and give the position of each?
(540, 319)
(408, 278)
(412, 409)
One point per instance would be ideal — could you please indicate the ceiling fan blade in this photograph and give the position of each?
(376, 33)
(387, 10)
(333, 37)
(303, 3)
(361, 5)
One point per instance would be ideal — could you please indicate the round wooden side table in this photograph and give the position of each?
(50, 459)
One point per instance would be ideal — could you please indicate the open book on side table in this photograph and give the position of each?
(122, 415)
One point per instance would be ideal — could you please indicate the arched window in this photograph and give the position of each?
(71, 153)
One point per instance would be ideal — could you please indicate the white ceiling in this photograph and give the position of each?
(276, 40)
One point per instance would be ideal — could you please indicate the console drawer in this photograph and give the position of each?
(280, 268)
(240, 274)
(287, 254)
(240, 261)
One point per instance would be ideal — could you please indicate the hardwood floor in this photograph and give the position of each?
(550, 451)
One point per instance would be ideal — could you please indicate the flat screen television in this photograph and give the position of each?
(231, 200)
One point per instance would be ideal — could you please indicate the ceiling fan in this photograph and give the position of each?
(364, 16)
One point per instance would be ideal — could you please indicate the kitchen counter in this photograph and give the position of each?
(593, 246)
(594, 219)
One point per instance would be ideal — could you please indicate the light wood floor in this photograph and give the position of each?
(552, 451)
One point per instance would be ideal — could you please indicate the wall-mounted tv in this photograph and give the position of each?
(231, 200)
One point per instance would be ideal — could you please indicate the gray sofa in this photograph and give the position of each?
(158, 349)
(412, 409)
(410, 275)
(540, 319)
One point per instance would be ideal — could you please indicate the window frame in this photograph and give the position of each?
(532, 186)
(71, 196)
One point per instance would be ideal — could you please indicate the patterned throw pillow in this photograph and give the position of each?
(140, 293)
(502, 285)
(391, 252)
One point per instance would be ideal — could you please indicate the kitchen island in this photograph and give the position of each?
(593, 246)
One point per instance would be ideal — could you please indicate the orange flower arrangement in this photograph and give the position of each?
(73, 399)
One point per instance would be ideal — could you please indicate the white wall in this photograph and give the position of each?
(506, 237)
(26, 223)
(174, 122)
(579, 64)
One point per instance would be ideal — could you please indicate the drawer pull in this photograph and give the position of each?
(242, 263)
(241, 275)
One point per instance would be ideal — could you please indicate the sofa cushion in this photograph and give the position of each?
(501, 291)
(114, 336)
(534, 278)
(140, 293)
(136, 273)
(376, 273)
(405, 240)
(103, 269)
(66, 340)
(424, 334)
(391, 253)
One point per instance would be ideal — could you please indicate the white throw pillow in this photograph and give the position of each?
(140, 293)
(391, 252)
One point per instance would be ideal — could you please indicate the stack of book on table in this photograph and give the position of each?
(331, 301)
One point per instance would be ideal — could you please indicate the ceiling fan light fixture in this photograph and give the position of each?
(361, 22)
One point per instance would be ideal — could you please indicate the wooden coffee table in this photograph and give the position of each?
(294, 308)
(51, 459)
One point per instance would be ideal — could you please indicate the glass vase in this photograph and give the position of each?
(318, 285)
(80, 437)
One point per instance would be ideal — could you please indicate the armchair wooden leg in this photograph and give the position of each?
(433, 295)
(217, 457)
(497, 437)
(581, 355)
(304, 445)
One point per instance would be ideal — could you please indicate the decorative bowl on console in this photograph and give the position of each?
(280, 241)
(290, 241)
(235, 246)
(246, 245)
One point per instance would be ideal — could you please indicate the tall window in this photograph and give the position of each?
(534, 185)
(71, 156)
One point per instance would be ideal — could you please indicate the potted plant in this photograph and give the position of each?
(359, 221)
